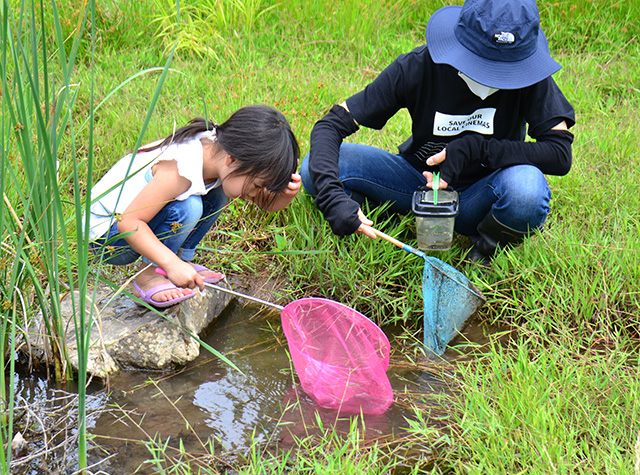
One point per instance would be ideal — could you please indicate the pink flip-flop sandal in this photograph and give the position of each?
(147, 296)
(209, 280)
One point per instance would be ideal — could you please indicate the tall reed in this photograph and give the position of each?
(47, 159)
(44, 257)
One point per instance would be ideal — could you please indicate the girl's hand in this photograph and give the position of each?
(433, 160)
(294, 185)
(184, 275)
(286, 196)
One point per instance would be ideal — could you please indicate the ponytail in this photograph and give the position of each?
(259, 139)
(184, 134)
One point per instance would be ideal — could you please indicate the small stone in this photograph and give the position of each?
(18, 445)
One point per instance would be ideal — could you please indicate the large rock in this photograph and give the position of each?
(125, 335)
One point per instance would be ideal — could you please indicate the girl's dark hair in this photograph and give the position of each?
(260, 140)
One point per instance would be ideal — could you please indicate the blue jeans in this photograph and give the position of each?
(180, 225)
(518, 196)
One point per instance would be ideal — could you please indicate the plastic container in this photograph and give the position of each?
(434, 221)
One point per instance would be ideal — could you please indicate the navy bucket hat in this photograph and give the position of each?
(497, 43)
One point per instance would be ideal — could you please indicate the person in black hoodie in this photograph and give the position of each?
(479, 85)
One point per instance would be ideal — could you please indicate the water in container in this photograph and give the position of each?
(435, 220)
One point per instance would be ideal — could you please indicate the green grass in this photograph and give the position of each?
(330, 453)
(559, 398)
(566, 405)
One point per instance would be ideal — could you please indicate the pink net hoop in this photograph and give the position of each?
(341, 357)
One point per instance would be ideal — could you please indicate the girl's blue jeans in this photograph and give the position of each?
(180, 225)
(518, 196)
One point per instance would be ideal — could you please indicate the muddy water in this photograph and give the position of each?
(210, 401)
(229, 407)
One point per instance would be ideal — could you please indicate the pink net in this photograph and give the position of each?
(341, 356)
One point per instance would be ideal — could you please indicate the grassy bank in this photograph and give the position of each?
(562, 396)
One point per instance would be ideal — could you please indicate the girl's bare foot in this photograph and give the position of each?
(207, 274)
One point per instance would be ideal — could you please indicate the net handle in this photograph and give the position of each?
(248, 297)
(232, 292)
(400, 244)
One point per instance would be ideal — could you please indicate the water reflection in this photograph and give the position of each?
(209, 400)
(231, 407)
(46, 417)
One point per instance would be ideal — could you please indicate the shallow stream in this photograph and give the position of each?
(209, 401)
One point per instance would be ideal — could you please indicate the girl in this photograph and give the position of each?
(160, 202)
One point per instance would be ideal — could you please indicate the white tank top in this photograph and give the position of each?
(115, 191)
